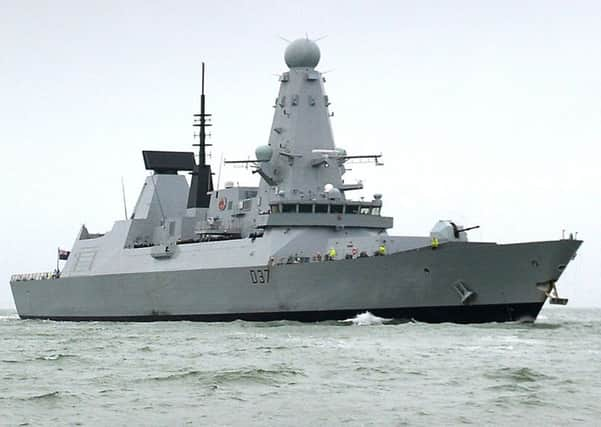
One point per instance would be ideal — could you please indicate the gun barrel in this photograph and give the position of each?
(468, 228)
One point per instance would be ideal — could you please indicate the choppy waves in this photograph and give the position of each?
(9, 317)
(517, 375)
(44, 396)
(365, 370)
(221, 377)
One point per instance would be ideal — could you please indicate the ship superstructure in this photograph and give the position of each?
(297, 247)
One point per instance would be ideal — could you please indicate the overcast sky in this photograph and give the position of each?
(487, 112)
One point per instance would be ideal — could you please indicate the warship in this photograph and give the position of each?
(295, 247)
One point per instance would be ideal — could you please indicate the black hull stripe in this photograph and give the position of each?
(456, 314)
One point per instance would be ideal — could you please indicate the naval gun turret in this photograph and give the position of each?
(448, 231)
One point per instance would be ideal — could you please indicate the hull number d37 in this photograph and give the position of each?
(259, 277)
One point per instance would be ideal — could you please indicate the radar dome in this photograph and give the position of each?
(264, 153)
(302, 53)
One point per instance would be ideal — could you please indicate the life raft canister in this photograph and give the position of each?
(222, 203)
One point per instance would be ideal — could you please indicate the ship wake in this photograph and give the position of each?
(366, 319)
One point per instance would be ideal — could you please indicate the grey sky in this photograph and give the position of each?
(486, 112)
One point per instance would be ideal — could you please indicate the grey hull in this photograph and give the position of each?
(505, 282)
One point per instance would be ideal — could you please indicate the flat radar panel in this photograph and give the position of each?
(168, 162)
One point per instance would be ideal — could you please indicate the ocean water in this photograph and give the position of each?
(365, 371)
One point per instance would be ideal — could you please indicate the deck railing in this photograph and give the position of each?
(33, 276)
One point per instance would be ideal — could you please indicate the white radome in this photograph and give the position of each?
(302, 53)
(264, 153)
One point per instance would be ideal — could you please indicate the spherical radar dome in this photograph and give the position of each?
(264, 153)
(302, 53)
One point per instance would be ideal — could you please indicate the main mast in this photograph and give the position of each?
(202, 177)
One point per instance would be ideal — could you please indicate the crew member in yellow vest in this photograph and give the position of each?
(382, 250)
(434, 242)
(332, 253)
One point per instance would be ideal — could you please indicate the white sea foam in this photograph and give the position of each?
(367, 319)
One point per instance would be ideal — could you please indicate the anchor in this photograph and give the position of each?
(553, 295)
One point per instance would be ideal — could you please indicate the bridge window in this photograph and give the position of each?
(375, 211)
(335, 208)
(246, 204)
(305, 208)
(275, 209)
(365, 210)
(288, 208)
(352, 209)
(321, 208)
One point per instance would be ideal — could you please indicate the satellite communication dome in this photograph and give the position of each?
(302, 53)
(264, 153)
